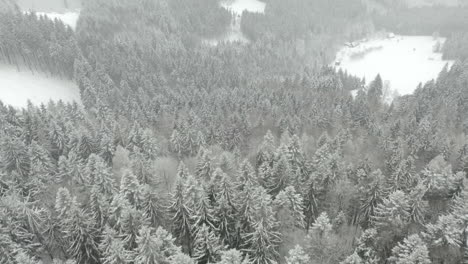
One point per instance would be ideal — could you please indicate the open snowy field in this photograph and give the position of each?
(402, 61)
(237, 7)
(17, 87)
(69, 18)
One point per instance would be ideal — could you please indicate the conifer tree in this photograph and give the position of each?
(99, 175)
(40, 157)
(261, 240)
(107, 148)
(181, 217)
(372, 195)
(15, 156)
(297, 158)
(155, 246)
(225, 212)
(366, 248)
(261, 245)
(310, 204)
(214, 186)
(207, 245)
(245, 176)
(181, 258)
(391, 219)
(418, 206)
(99, 206)
(141, 167)
(393, 213)
(57, 135)
(23, 258)
(113, 249)
(130, 188)
(266, 151)
(353, 259)
(411, 250)
(375, 91)
(152, 206)
(87, 146)
(288, 206)
(130, 223)
(232, 256)
(203, 170)
(182, 171)
(176, 143)
(322, 225)
(281, 176)
(439, 179)
(79, 229)
(204, 215)
(247, 210)
(297, 256)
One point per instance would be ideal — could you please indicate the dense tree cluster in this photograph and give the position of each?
(184, 154)
(37, 43)
(455, 46)
(424, 20)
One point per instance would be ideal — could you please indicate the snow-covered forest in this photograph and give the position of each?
(238, 153)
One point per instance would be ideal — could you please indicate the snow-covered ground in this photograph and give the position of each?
(69, 18)
(238, 6)
(402, 61)
(17, 87)
(234, 32)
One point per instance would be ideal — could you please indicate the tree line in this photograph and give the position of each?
(234, 154)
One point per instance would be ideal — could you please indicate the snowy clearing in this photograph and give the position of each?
(17, 87)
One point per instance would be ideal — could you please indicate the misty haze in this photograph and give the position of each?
(233, 131)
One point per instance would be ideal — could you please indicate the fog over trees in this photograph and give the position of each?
(240, 153)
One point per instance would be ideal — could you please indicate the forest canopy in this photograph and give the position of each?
(184, 153)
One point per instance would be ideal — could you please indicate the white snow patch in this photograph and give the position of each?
(402, 61)
(17, 87)
(237, 7)
(68, 18)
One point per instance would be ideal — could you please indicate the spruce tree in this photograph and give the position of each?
(130, 223)
(288, 206)
(181, 217)
(411, 250)
(207, 246)
(393, 213)
(204, 168)
(181, 258)
(130, 188)
(182, 171)
(282, 174)
(245, 176)
(418, 206)
(79, 229)
(262, 244)
(266, 152)
(261, 240)
(98, 174)
(15, 156)
(225, 212)
(154, 246)
(204, 214)
(391, 219)
(371, 196)
(232, 256)
(113, 249)
(297, 256)
(152, 206)
(353, 259)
